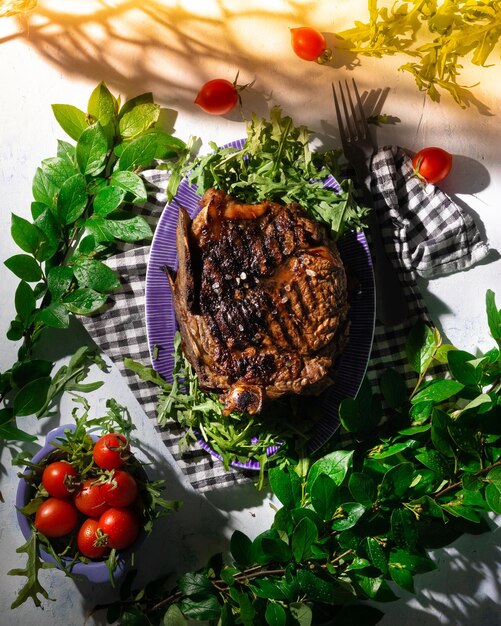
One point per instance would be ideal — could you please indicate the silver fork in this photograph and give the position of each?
(358, 147)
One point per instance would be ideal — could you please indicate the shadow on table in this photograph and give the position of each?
(464, 590)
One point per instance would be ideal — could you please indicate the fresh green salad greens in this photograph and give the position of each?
(437, 34)
(83, 205)
(76, 447)
(358, 523)
(277, 163)
(237, 437)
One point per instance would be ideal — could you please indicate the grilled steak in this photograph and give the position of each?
(261, 300)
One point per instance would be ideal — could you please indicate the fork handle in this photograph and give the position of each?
(391, 304)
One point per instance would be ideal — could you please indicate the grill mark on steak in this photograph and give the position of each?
(260, 298)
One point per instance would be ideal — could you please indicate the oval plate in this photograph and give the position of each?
(162, 326)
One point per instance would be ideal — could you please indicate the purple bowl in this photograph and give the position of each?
(94, 571)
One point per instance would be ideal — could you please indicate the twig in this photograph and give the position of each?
(458, 484)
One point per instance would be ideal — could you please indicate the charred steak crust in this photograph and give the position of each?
(260, 296)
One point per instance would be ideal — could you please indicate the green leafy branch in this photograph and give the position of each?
(454, 29)
(81, 209)
(359, 518)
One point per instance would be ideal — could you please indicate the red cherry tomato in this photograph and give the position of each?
(120, 490)
(89, 500)
(111, 451)
(55, 517)
(432, 164)
(310, 45)
(88, 536)
(218, 96)
(121, 527)
(59, 479)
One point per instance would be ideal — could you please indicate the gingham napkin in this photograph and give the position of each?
(424, 232)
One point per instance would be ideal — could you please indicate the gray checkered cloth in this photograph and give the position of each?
(425, 233)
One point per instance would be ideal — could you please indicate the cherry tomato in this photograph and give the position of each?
(218, 96)
(310, 45)
(432, 164)
(88, 536)
(120, 490)
(89, 500)
(121, 527)
(111, 451)
(55, 517)
(59, 479)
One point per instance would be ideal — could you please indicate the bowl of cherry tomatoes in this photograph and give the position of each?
(88, 502)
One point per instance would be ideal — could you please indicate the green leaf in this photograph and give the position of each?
(25, 371)
(493, 498)
(194, 584)
(31, 398)
(130, 230)
(72, 199)
(324, 496)
(420, 347)
(108, 199)
(24, 267)
(67, 152)
(102, 104)
(317, 589)
(301, 613)
(174, 617)
(493, 315)
(268, 546)
(471, 482)
(335, 465)
(347, 515)
(24, 300)
(72, 120)
(404, 529)
(92, 149)
(376, 554)
(275, 614)
(15, 331)
(59, 279)
(84, 301)
(96, 275)
(131, 183)
(48, 224)
(394, 388)
(494, 477)
(350, 416)
(32, 588)
(143, 98)
(440, 436)
(204, 609)
(465, 438)
(8, 429)
(438, 391)
(437, 462)
(241, 549)
(55, 316)
(25, 234)
(304, 536)
(138, 119)
(396, 481)
(286, 486)
(247, 610)
(49, 178)
(138, 153)
(404, 565)
(461, 367)
(362, 488)
(87, 245)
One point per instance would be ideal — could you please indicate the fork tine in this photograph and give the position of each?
(363, 119)
(340, 122)
(355, 115)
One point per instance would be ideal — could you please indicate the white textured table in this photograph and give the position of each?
(171, 48)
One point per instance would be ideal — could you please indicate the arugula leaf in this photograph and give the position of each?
(453, 29)
(32, 588)
(276, 163)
